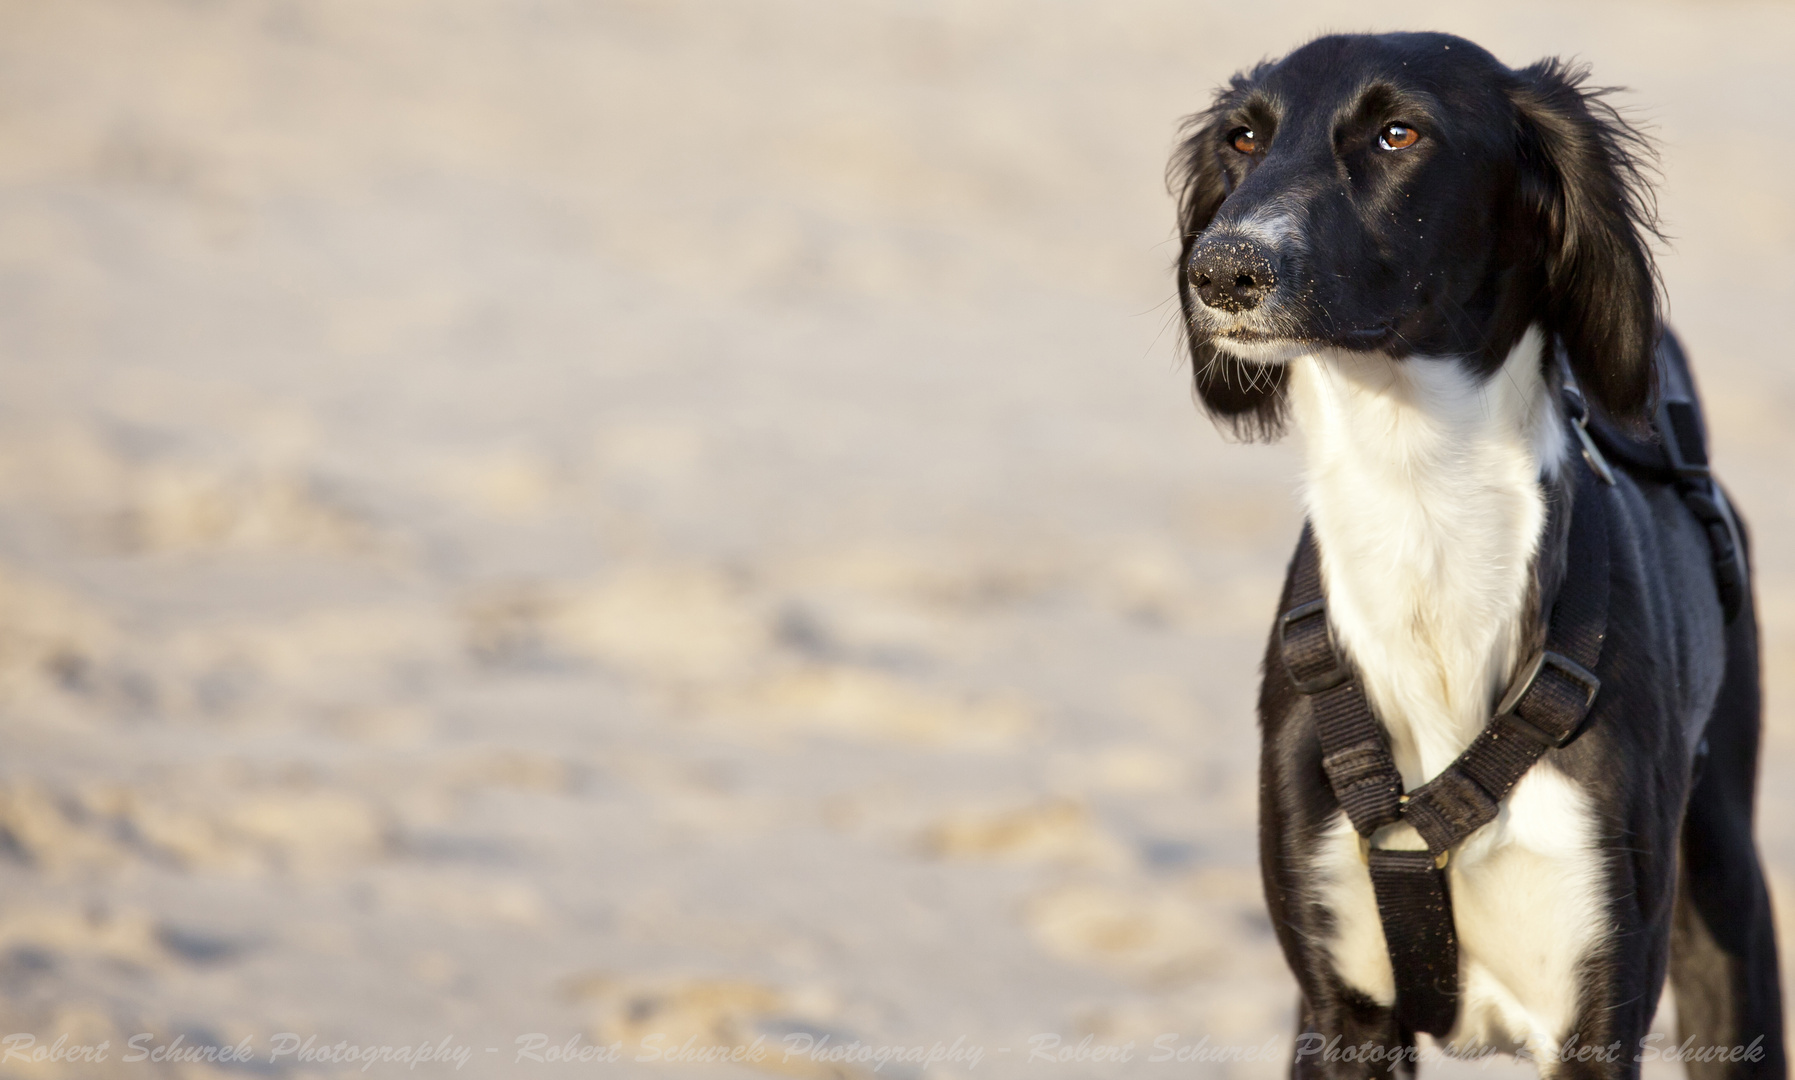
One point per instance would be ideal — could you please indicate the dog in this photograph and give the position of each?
(1430, 262)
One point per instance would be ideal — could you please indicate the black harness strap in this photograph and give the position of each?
(1548, 702)
(1354, 754)
(1416, 910)
(1545, 707)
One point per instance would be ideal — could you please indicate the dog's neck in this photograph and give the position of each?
(1423, 487)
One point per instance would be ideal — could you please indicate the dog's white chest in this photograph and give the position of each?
(1423, 489)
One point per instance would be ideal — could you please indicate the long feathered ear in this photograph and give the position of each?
(1582, 186)
(1249, 398)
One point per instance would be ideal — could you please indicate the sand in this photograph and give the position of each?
(671, 524)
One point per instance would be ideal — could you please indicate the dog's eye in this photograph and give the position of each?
(1243, 140)
(1398, 137)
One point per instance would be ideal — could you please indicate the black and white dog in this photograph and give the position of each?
(1414, 252)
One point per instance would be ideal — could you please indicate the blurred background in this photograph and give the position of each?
(616, 517)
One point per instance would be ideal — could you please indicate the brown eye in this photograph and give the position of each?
(1398, 137)
(1243, 140)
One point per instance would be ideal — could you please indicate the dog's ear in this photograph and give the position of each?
(1583, 193)
(1247, 397)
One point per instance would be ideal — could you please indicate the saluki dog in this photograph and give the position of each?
(1510, 708)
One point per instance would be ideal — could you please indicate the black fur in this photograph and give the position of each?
(1581, 193)
(1522, 203)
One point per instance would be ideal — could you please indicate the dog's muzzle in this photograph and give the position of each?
(1230, 272)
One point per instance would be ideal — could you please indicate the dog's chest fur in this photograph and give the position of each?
(1423, 487)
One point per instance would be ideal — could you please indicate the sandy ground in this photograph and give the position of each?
(626, 519)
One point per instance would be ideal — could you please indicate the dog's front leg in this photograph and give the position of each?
(1622, 974)
(1342, 1033)
(1611, 1037)
(1347, 1036)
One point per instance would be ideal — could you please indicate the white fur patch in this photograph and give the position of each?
(1275, 227)
(1422, 484)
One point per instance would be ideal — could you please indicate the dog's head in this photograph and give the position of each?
(1409, 195)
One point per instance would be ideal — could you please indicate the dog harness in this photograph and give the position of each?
(1546, 706)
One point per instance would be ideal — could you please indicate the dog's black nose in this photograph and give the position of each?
(1230, 273)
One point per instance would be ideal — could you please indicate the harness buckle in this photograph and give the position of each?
(1295, 619)
(1365, 849)
(1579, 410)
(1576, 673)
